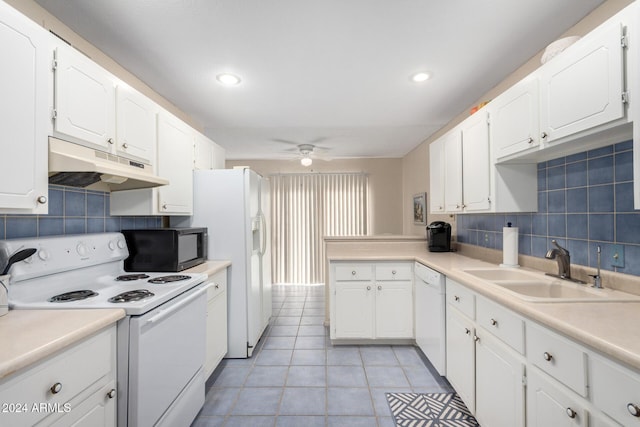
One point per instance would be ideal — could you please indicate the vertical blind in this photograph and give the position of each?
(307, 207)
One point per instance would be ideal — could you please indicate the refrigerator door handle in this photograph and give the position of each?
(263, 234)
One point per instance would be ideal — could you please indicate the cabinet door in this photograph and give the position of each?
(203, 153)
(219, 157)
(216, 327)
(453, 171)
(499, 385)
(24, 110)
(84, 100)
(582, 87)
(354, 305)
(136, 125)
(436, 176)
(175, 163)
(548, 404)
(461, 356)
(515, 119)
(394, 309)
(476, 163)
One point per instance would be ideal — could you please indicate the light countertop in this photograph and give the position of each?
(28, 336)
(608, 327)
(209, 267)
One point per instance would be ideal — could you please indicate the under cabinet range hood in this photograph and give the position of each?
(79, 166)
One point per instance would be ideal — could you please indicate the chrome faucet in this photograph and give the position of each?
(561, 255)
(597, 279)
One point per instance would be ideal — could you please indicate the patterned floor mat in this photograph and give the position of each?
(430, 410)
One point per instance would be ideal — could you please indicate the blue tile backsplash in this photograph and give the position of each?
(72, 211)
(584, 200)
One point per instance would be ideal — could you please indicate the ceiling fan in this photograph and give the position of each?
(306, 152)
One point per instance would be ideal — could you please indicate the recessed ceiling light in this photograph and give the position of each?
(420, 77)
(228, 79)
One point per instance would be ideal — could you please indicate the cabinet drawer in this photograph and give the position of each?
(557, 356)
(615, 390)
(70, 373)
(219, 282)
(501, 322)
(350, 272)
(461, 298)
(394, 272)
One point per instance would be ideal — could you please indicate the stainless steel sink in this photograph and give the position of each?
(537, 287)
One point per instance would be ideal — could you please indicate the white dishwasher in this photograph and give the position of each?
(430, 315)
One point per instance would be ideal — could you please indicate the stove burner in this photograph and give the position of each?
(128, 277)
(73, 296)
(169, 279)
(129, 296)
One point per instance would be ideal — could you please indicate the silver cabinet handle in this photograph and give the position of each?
(217, 286)
(530, 141)
(393, 272)
(476, 338)
(543, 135)
(633, 409)
(547, 356)
(42, 200)
(164, 206)
(56, 388)
(456, 298)
(494, 322)
(112, 393)
(110, 141)
(467, 331)
(379, 287)
(368, 288)
(571, 413)
(125, 145)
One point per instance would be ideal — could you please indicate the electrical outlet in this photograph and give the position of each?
(617, 255)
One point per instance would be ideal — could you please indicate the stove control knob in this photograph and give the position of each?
(81, 249)
(112, 245)
(121, 244)
(43, 254)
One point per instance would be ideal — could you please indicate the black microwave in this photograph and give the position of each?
(165, 249)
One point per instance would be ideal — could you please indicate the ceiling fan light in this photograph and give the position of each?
(306, 161)
(420, 77)
(228, 79)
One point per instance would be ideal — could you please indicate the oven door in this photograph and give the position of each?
(166, 355)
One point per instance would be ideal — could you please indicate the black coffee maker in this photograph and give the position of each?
(439, 236)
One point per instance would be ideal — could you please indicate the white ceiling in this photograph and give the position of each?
(330, 72)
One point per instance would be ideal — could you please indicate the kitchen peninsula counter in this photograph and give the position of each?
(607, 327)
(29, 336)
(209, 267)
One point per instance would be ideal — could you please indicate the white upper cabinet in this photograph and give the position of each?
(84, 100)
(202, 152)
(24, 108)
(583, 87)
(515, 119)
(135, 125)
(476, 163)
(453, 171)
(175, 163)
(436, 176)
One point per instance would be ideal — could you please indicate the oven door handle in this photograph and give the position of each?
(162, 314)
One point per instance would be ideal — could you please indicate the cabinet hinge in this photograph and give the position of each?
(54, 64)
(625, 97)
(524, 380)
(54, 114)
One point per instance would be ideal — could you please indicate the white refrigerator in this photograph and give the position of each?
(234, 205)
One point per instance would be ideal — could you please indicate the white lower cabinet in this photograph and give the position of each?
(216, 322)
(549, 404)
(371, 300)
(461, 366)
(499, 383)
(75, 387)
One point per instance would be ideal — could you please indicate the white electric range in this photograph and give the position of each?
(161, 341)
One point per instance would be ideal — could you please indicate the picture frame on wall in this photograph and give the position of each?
(420, 209)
